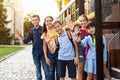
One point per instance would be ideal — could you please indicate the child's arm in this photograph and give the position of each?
(71, 25)
(84, 42)
(19, 34)
(25, 40)
(51, 48)
(104, 50)
(45, 53)
(76, 37)
(45, 48)
(78, 40)
(76, 53)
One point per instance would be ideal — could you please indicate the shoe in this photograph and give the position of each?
(115, 79)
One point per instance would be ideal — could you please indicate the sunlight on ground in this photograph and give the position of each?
(41, 7)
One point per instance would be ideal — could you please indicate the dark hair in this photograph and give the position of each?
(36, 16)
(48, 17)
(44, 29)
(76, 26)
(57, 21)
(90, 24)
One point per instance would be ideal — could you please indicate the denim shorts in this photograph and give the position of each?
(70, 66)
(82, 53)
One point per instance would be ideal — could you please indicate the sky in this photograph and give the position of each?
(41, 7)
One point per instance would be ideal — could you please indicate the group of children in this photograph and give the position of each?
(69, 51)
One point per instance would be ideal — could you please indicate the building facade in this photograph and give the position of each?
(15, 14)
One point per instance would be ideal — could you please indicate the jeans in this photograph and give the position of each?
(38, 61)
(54, 67)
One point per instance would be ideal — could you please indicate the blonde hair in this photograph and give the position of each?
(83, 15)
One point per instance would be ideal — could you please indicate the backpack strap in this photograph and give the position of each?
(57, 44)
(56, 41)
(69, 35)
(70, 38)
(86, 50)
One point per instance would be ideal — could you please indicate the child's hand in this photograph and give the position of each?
(71, 25)
(47, 39)
(19, 34)
(76, 61)
(76, 37)
(48, 62)
(74, 34)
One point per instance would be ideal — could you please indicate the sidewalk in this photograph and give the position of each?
(19, 66)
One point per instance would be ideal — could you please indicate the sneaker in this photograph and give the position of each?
(115, 79)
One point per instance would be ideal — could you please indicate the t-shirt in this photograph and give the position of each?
(52, 35)
(66, 49)
(84, 31)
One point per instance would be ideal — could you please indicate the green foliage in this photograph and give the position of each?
(4, 51)
(59, 3)
(27, 24)
(5, 36)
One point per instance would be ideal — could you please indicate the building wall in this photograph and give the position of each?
(15, 15)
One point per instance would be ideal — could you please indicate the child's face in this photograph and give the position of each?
(48, 22)
(83, 21)
(91, 30)
(77, 29)
(35, 21)
(58, 28)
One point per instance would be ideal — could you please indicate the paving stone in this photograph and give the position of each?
(19, 66)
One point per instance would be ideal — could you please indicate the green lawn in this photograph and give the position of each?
(8, 50)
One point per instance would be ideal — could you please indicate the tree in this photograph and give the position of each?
(27, 24)
(5, 35)
(59, 2)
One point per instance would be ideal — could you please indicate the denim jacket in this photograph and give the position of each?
(37, 43)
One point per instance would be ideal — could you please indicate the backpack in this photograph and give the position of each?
(31, 33)
(70, 38)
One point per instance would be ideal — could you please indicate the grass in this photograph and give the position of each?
(4, 51)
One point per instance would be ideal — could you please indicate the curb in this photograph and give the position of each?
(13, 53)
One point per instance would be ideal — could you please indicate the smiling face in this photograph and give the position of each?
(48, 21)
(76, 29)
(83, 21)
(58, 27)
(91, 30)
(35, 21)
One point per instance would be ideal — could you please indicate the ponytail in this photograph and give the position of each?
(44, 29)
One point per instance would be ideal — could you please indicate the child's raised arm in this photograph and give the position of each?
(76, 37)
(51, 48)
(76, 59)
(19, 34)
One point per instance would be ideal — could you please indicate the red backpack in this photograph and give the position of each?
(31, 33)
